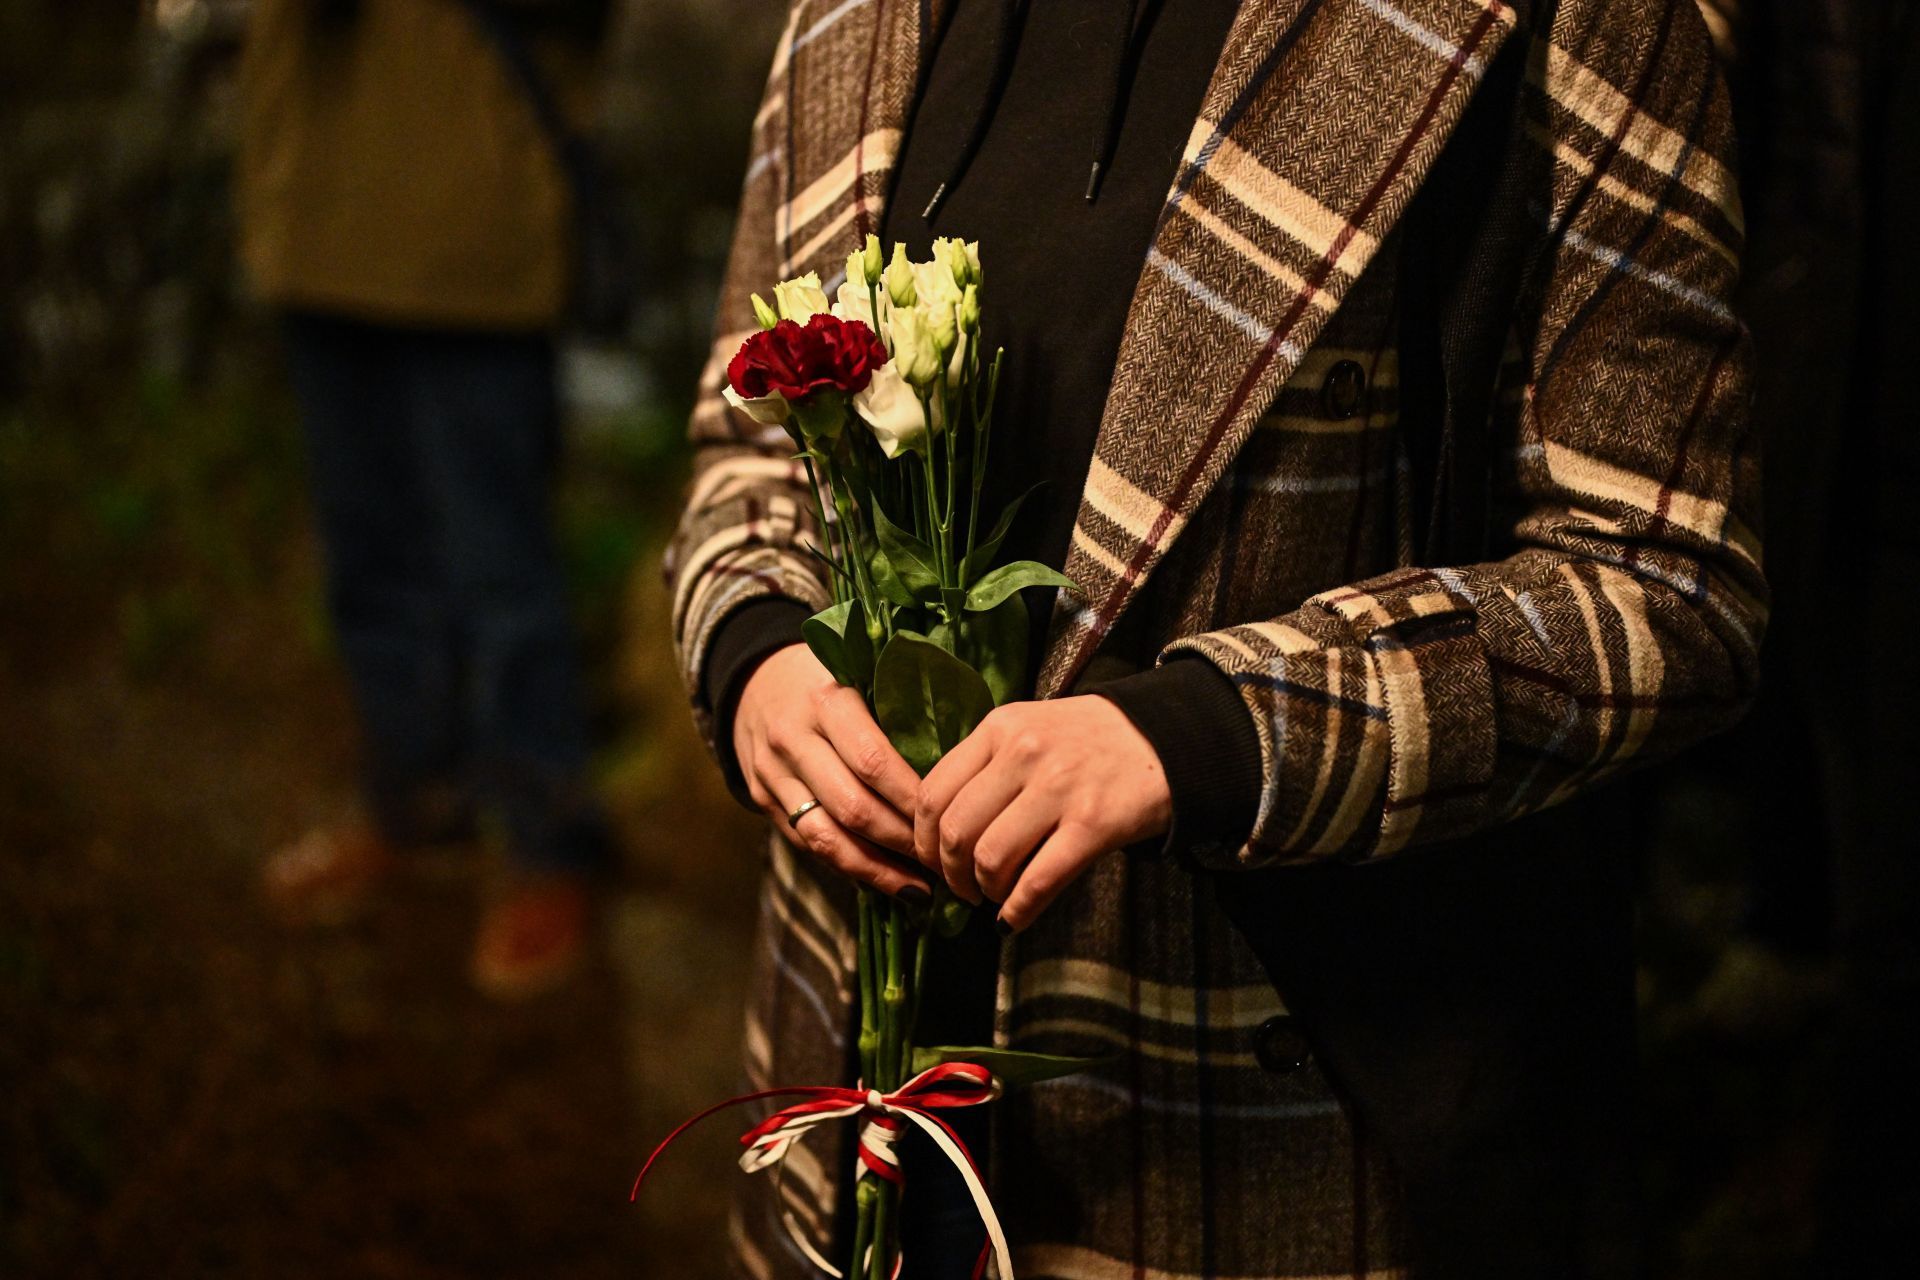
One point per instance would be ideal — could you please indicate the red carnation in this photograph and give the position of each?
(796, 362)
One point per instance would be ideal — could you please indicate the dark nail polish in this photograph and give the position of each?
(1006, 929)
(914, 896)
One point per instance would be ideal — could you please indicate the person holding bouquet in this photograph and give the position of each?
(1369, 374)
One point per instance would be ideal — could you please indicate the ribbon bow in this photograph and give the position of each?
(948, 1086)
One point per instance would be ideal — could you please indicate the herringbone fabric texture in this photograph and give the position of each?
(1231, 517)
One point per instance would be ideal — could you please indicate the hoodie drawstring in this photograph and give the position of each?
(1005, 40)
(1119, 72)
(1123, 46)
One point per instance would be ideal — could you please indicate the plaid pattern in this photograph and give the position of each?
(1229, 517)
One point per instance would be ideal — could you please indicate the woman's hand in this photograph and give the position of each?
(800, 736)
(1032, 797)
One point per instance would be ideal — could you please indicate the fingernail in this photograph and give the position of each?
(914, 896)
(1004, 926)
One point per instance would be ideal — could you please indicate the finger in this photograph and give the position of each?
(852, 805)
(750, 761)
(849, 726)
(968, 815)
(938, 789)
(833, 844)
(1067, 853)
(1010, 841)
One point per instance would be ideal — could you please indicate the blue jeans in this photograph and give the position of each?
(431, 456)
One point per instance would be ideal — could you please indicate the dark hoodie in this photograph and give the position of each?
(1050, 131)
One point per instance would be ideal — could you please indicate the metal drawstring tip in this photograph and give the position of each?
(1093, 182)
(933, 205)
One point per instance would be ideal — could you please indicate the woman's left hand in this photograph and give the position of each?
(1032, 797)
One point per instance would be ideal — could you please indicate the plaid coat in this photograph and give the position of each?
(1229, 516)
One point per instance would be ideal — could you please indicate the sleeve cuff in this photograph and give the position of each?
(1204, 735)
(739, 644)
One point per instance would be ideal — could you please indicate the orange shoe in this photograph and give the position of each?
(533, 939)
(329, 875)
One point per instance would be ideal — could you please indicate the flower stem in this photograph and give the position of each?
(881, 1261)
(869, 1003)
(982, 431)
(860, 571)
(920, 947)
(864, 1202)
(893, 999)
(934, 522)
(826, 530)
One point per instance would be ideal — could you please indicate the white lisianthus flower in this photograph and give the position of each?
(853, 303)
(943, 325)
(960, 257)
(769, 410)
(891, 409)
(933, 284)
(916, 355)
(801, 298)
(957, 363)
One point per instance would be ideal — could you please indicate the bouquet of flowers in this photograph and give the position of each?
(889, 403)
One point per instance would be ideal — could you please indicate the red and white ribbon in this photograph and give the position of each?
(945, 1087)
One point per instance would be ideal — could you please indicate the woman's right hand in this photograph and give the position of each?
(800, 735)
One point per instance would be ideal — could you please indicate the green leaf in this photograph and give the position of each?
(826, 633)
(926, 699)
(888, 581)
(859, 644)
(1009, 578)
(983, 552)
(997, 647)
(838, 637)
(993, 643)
(1014, 1068)
(913, 560)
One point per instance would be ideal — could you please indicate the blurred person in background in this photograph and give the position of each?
(405, 202)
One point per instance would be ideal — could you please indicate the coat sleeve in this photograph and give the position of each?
(748, 517)
(1624, 621)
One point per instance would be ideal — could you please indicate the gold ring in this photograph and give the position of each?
(793, 818)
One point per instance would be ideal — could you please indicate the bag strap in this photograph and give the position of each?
(570, 147)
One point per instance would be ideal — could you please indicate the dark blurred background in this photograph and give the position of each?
(187, 1090)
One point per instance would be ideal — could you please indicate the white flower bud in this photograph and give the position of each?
(916, 355)
(801, 298)
(900, 279)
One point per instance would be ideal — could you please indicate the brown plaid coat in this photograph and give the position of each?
(1229, 516)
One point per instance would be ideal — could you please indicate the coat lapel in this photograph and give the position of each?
(855, 65)
(1322, 119)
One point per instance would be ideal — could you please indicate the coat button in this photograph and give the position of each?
(1279, 1046)
(1344, 390)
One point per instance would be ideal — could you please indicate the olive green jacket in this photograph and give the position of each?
(392, 169)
